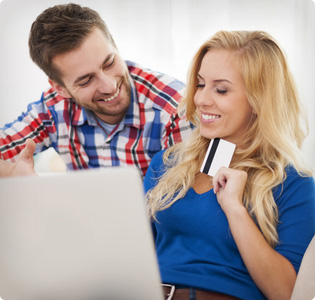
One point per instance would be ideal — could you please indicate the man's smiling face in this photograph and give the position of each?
(96, 77)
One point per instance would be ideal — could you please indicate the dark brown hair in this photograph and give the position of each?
(60, 29)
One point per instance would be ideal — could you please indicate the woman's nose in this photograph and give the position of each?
(204, 98)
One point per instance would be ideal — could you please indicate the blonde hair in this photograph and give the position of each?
(271, 144)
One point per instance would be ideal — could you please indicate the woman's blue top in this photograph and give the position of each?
(195, 247)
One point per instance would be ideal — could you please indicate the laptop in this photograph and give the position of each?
(82, 235)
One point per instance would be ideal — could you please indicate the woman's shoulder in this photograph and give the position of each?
(295, 177)
(157, 163)
(157, 159)
(296, 185)
(155, 171)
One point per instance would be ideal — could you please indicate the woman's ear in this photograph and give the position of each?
(59, 89)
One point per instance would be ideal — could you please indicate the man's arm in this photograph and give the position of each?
(24, 165)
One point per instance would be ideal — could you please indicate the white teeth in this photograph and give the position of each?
(209, 117)
(112, 97)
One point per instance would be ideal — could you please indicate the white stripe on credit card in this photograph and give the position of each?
(219, 154)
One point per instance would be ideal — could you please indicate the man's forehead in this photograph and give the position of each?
(87, 58)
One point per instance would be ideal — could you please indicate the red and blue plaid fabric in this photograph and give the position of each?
(150, 125)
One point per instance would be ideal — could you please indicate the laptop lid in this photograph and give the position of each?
(81, 235)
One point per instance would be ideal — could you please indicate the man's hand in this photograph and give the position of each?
(24, 165)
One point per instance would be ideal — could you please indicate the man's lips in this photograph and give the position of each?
(111, 97)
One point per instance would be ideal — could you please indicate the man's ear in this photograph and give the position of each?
(59, 89)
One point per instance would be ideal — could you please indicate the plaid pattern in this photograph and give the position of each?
(150, 125)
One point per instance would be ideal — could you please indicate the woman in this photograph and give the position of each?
(241, 234)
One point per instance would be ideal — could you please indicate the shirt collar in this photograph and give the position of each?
(132, 117)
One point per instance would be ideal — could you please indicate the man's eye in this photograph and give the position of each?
(221, 91)
(86, 82)
(110, 63)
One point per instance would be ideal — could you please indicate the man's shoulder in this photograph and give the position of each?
(64, 106)
(156, 88)
(51, 97)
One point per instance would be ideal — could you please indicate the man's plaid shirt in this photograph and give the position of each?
(150, 125)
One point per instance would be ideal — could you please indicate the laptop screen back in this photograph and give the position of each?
(82, 235)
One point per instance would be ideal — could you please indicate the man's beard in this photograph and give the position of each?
(98, 110)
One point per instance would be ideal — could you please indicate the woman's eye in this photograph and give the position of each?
(200, 85)
(221, 91)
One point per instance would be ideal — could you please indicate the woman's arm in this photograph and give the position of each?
(273, 274)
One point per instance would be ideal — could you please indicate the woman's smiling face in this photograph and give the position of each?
(220, 99)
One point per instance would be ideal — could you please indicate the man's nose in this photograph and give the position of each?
(107, 84)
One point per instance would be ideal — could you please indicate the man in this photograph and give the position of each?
(100, 110)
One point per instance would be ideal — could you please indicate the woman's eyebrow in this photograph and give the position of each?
(222, 80)
(216, 80)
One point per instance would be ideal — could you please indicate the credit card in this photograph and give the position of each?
(219, 154)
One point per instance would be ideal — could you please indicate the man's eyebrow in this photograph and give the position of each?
(80, 78)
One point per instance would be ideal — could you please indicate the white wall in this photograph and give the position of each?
(162, 35)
